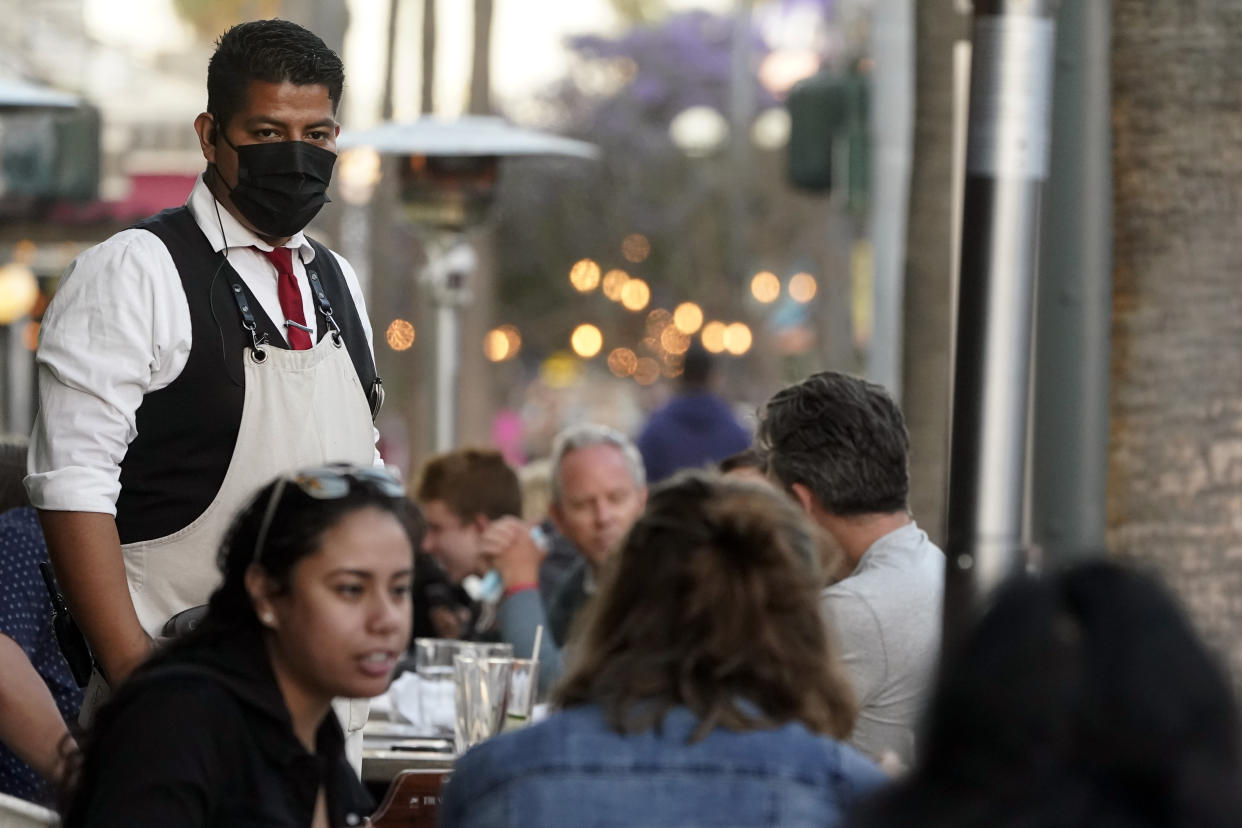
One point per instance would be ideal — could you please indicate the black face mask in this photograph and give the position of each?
(281, 185)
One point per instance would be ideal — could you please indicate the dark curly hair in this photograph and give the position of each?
(711, 604)
(274, 51)
(843, 438)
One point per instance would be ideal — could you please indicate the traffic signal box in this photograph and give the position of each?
(828, 141)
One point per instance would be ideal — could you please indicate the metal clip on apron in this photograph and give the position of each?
(301, 408)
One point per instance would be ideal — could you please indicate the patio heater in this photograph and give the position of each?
(448, 171)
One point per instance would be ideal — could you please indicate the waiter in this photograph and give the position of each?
(187, 361)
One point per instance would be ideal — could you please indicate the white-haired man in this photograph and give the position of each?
(599, 488)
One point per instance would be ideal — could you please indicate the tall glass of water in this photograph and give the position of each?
(433, 662)
(482, 693)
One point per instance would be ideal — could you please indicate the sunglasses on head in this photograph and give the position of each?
(325, 483)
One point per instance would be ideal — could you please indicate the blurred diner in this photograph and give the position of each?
(703, 689)
(599, 488)
(838, 445)
(1082, 698)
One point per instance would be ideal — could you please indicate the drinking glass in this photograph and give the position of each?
(481, 685)
(523, 683)
(433, 662)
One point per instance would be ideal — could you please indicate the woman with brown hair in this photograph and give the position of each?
(704, 691)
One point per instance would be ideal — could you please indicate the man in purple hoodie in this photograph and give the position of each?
(695, 428)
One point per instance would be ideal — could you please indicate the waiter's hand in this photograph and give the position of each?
(85, 552)
(508, 546)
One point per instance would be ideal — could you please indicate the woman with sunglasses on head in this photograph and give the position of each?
(704, 690)
(232, 724)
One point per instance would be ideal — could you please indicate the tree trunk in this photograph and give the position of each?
(481, 59)
(427, 100)
(928, 303)
(1175, 453)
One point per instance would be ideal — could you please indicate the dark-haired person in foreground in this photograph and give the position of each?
(185, 362)
(1079, 700)
(703, 690)
(232, 724)
(838, 444)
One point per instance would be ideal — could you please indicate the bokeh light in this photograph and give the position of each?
(622, 362)
(713, 337)
(358, 171)
(614, 282)
(738, 338)
(560, 370)
(19, 291)
(674, 365)
(765, 287)
(586, 340)
(688, 317)
(502, 344)
(646, 371)
(400, 335)
(635, 295)
(674, 341)
(635, 248)
(699, 130)
(802, 288)
(584, 275)
(657, 321)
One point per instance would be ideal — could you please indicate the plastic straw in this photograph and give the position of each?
(534, 653)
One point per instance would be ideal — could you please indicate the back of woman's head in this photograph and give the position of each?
(711, 604)
(1080, 698)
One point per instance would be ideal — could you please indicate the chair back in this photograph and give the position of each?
(18, 813)
(412, 800)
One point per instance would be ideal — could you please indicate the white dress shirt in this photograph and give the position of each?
(119, 328)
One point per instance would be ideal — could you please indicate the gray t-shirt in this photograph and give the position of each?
(885, 618)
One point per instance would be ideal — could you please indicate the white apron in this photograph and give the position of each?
(301, 408)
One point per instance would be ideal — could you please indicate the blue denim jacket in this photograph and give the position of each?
(573, 770)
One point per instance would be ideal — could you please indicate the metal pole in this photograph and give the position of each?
(20, 376)
(1070, 458)
(892, 124)
(1006, 165)
(447, 343)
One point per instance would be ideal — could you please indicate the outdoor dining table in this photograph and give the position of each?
(405, 772)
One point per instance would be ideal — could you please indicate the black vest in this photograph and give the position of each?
(187, 430)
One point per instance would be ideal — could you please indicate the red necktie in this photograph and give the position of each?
(290, 296)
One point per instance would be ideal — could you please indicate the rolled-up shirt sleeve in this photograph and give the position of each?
(117, 329)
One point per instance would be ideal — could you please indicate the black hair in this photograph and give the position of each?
(274, 51)
(297, 524)
(843, 438)
(294, 531)
(1080, 699)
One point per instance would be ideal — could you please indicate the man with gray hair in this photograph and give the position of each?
(838, 445)
(599, 489)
